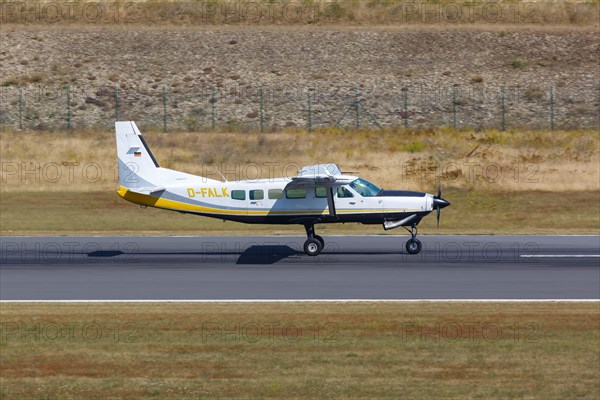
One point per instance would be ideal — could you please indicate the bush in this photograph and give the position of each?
(516, 64)
(414, 147)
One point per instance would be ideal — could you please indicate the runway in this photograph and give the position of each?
(275, 268)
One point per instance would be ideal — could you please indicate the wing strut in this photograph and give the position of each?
(330, 202)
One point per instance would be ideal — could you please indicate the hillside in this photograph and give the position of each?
(170, 74)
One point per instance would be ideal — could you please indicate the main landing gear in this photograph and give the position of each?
(314, 243)
(413, 246)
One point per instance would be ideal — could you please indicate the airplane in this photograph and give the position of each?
(319, 194)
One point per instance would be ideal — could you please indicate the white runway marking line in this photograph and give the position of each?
(560, 256)
(315, 301)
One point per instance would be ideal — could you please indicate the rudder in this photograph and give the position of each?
(137, 166)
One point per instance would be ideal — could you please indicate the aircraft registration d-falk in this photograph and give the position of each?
(319, 194)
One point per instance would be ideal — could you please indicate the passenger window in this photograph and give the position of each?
(295, 193)
(257, 195)
(275, 194)
(238, 194)
(320, 192)
(343, 192)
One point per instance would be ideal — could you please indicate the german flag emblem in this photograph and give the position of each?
(137, 154)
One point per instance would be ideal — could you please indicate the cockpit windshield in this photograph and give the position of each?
(365, 188)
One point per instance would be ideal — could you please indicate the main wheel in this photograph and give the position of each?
(313, 247)
(413, 246)
(320, 239)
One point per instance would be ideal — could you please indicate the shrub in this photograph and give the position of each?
(516, 64)
(414, 147)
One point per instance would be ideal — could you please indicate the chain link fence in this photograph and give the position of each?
(267, 108)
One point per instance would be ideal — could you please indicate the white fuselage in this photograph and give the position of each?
(267, 200)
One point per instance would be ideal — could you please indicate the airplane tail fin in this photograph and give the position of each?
(138, 169)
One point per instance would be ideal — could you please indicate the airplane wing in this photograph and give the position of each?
(326, 175)
(321, 175)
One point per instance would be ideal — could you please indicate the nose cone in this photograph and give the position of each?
(439, 202)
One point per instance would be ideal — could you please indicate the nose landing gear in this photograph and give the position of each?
(314, 243)
(413, 246)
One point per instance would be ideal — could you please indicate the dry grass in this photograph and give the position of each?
(495, 180)
(472, 212)
(311, 13)
(490, 160)
(364, 350)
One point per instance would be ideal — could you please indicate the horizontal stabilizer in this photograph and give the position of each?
(152, 191)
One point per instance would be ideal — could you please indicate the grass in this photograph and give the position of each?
(499, 182)
(259, 350)
(472, 212)
(489, 160)
(354, 12)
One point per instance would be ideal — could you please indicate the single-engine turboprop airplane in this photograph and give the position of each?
(318, 194)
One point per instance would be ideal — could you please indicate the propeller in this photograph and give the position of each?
(438, 202)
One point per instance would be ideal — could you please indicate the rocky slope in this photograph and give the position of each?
(178, 70)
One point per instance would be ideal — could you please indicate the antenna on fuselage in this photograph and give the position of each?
(225, 179)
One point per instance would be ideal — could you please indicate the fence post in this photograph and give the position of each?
(502, 108)
(117, 102)
(213, 102)
(405, 101)
(309, 121)
(68, 106)
(20, 106)
(454, 106)
(357, 108)
(164, 109)
(262, 111)
(552, 108)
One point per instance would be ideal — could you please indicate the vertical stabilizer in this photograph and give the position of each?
(137, 166)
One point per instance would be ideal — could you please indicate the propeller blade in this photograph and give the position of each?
(438, 202)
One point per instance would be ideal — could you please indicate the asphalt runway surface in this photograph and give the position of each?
(275, 268)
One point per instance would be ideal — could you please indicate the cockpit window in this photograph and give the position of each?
(365, 188)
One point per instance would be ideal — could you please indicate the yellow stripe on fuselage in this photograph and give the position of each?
(151, 201)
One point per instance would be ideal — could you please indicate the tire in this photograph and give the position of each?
(313, 247)
(413, 246)
(320, 239)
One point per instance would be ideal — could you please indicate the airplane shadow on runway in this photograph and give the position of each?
(253, 255)
(266, 254)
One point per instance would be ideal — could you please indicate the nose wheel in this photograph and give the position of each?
(413, 246)
(314, 243)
